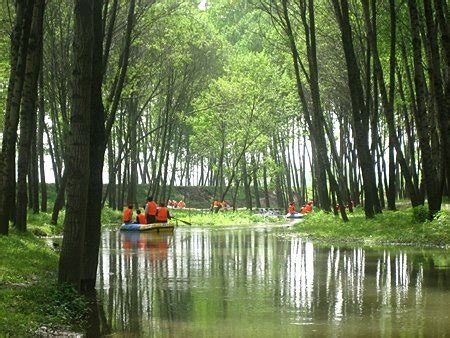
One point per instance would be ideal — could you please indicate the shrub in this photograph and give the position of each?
(420, 214)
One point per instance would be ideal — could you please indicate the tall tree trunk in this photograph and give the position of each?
(247, 191)
(97, 149)
(33, 178)
(132, 132)
(429, 171)
(444, 28)
(40, 142)
(60, 198)
(27, 110)
(318, 120)
(442, 103)
(111, 175)
(78, 148)
(391, 192)
(255, 182)
(320, 167)
(19, 47)
(266, 187)
(359, 111)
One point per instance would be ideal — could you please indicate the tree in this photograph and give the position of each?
(78, 147)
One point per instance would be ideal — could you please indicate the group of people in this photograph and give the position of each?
(174, 204)
(305, 209)
(216, 204)
(152, 213)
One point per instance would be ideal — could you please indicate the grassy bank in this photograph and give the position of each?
(29, 296)
(404, 227)
(222, 218)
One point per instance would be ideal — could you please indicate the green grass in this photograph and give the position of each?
(40, 224)
(29, 295)
(221, 218)
(389, 227)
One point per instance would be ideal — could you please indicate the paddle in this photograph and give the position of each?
(182, 221)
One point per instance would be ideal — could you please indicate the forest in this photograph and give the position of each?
(342, 102)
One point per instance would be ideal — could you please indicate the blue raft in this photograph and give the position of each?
(295, 215)
(147, 227)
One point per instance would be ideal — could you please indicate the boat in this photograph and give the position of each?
(295, 215)
(158, 227)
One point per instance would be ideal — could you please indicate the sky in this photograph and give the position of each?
(202, 5)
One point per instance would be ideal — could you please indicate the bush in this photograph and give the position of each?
(420, 214)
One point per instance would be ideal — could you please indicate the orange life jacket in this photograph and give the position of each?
(151, 208)
(142, 219)
(291, 209)
(127, 215)
(162, 214)
(308, 208)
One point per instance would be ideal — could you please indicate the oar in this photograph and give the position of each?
(182, 221)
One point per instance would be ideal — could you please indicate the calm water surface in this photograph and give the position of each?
(259, 282)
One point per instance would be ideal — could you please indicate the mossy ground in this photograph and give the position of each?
(400, 227)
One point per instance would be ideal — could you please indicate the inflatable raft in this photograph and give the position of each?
(295, 215)
(147, 227)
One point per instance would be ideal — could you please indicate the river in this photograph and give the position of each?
(264, 282)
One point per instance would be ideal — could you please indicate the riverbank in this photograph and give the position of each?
(405, 227)
(29, 296)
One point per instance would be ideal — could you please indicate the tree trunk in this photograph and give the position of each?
(60, 199)
(19, 47)
(132, 132)
(429, 171)
(78, 148)
(34, 167)
(40, 142)
(442, 103)
(320, 167)
(255, 182)
(247, 191)
(392, 184)
(266, 187)
(28, 112)
(444, 28)
(359, 111)
(111, 175)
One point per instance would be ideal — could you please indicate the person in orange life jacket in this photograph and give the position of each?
(128, 214)
(162, 214)
(150, 210)
(309, 207)
(140, 217)
(291, 208)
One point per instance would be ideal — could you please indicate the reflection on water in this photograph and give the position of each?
(253, 282)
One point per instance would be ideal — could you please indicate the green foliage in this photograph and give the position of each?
(388, 227)
(111, 216)
(29, 295)
(5, 30)
(41, 223)
(420, 214)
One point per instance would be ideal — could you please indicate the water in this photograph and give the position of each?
(259, 282)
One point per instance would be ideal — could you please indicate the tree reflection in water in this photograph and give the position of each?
(247, 282)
